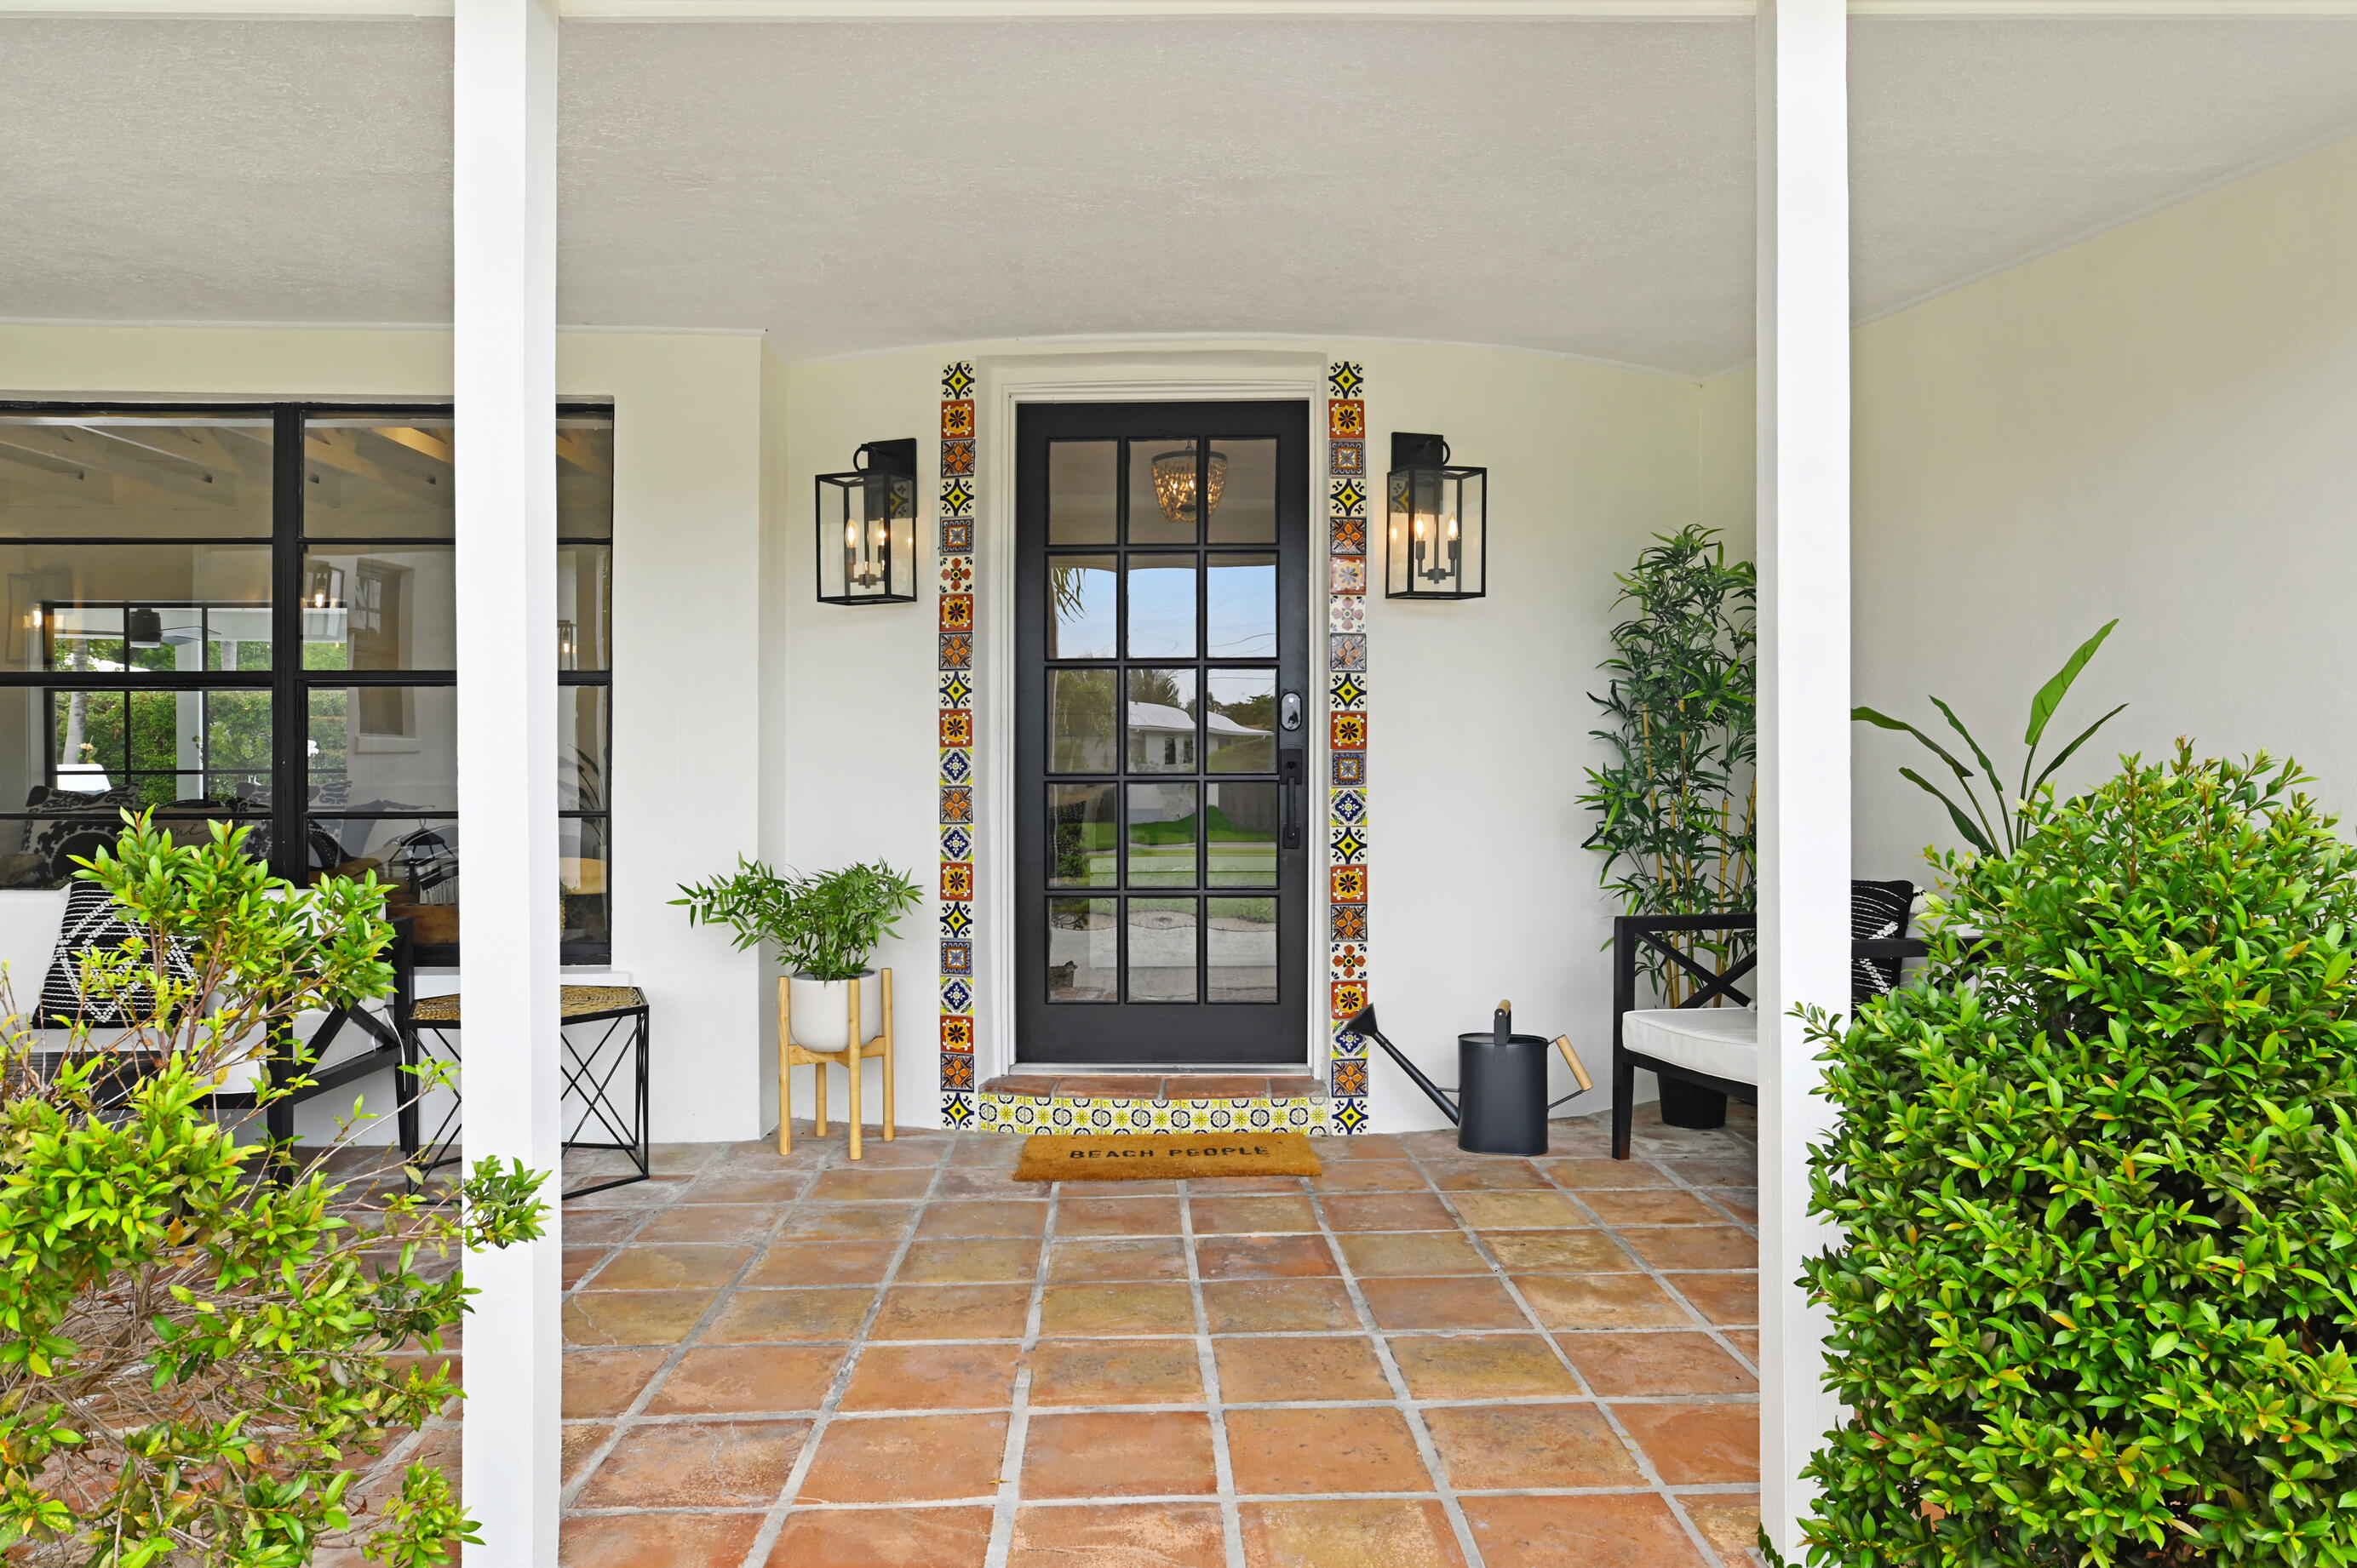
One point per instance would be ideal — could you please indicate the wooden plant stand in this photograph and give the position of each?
(791, 1056)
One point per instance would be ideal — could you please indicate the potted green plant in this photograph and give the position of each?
(826, 927)
(1676, 808)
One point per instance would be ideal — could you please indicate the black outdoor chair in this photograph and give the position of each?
(1703, 1054)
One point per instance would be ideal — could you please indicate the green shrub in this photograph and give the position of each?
(2098, 1179)
(194, 1359)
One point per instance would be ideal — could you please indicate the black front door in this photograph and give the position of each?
(1162, 727)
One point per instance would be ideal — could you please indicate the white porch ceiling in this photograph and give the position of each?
(1575, 185)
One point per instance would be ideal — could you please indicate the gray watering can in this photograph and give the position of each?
(1501, 1105)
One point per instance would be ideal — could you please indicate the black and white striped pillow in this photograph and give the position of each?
(93, 920)
(1878, 912)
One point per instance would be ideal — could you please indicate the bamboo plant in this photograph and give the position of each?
(1677, 809)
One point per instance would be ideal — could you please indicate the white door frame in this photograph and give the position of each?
(1005, 381)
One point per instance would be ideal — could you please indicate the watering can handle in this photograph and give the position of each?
(1571, 1059)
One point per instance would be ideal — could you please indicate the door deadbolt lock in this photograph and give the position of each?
(1288, 713)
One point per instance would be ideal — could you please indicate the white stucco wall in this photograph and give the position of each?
(1480, 733)
(2158, 424)
(688, 491)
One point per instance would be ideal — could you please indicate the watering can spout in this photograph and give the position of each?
(1363, 1022)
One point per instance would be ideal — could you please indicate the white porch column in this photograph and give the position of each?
(1804, 839)
(504, 189)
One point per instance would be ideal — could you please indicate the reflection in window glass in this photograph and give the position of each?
(1244, 509)
(585, 606)
(1082, 819)
(1083, 950)
(1239, 949)
(379, 609)
(584, 913)
(1162, 835)
(1162, 950)
(1239, 825)
(378, 478)
(1161, 721)
(144, 476)
(1239, 727)
(1162, 479)
(1081, 595)
(108, 608)
(1161, 607)
(584, 476)
(1081, 484)
(416, 858)
(384, 749)
(1241, 614)
(1080, 736)
(581, 748)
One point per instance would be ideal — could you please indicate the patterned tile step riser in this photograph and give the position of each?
(1107, 1115)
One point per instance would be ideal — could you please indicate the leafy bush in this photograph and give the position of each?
(2098, 1180)
(826, 926)
(194, 1356)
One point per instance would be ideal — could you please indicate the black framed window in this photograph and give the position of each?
(246, 612)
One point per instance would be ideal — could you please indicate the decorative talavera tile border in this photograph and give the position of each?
(1344, 1109)
(955, 524)
(1092, 1114)
(1347, 489)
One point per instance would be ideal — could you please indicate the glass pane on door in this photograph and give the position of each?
(1162, 950)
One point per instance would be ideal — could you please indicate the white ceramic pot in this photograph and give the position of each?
(820, 1019)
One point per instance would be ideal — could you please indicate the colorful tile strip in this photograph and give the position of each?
(955, 520)
(1346, 623)
(1108, 1113)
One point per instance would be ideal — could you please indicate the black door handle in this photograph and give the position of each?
(1288, 772)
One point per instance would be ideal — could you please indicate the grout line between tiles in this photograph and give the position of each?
(774, 1524)
(1018, 1421)
(1207, 1365)
(569, 1492)
(1685, 1520)
(1635, 1451)
(1427, 1449)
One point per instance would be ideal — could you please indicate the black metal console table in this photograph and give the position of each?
(591, 1068)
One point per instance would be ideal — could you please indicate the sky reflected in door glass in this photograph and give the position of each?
(1242, 622)
(1080, 597)
(1162, 607)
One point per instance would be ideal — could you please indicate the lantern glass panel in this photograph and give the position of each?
(1436, 525)
(866, 537)
(1469, 518)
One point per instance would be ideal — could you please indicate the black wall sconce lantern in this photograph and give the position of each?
(867, 528)
(1440, 540)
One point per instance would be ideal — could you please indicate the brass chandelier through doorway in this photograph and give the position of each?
(1174, 483)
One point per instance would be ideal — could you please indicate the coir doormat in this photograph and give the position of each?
(1154, 1156)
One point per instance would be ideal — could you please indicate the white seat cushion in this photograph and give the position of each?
(1721, 1041)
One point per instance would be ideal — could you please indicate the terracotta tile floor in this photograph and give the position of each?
(1419, 1359)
